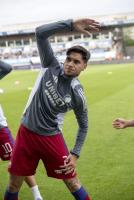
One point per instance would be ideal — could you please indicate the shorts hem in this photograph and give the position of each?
(20, 174)
(61, 177)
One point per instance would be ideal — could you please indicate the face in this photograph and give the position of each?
(74, 64)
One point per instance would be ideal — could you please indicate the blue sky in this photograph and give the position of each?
(19, 11)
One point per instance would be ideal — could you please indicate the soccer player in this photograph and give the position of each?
(123, 123)
(56, 91)
(7, 141)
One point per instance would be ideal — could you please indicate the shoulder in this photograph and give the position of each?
(56, 70)
(75, 83)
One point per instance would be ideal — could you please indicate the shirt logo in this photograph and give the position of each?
(52, 94)
(67, 98)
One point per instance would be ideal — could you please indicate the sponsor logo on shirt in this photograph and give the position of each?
(53, 95)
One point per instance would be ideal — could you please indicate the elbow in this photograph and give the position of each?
(6, 68)
(37, 30)
(84, 129)
(9, 68)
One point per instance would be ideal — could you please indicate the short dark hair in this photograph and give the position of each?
(79, 49)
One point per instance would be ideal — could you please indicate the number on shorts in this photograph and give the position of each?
(7, 147)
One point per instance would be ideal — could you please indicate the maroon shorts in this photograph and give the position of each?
(30, 147)
(6, 143)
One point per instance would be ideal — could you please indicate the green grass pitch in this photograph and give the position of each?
(106, 165)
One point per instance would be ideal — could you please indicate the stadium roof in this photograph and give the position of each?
(106, 20)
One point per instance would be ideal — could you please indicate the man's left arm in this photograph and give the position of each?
(82, 119)
(81, 114)
(4, 69)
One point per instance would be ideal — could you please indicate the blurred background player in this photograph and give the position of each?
(56, 91)
(123, 123)
(7, 141)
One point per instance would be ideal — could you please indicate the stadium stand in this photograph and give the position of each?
(18, 44)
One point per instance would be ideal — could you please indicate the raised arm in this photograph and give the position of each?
(44, 32)
(4, 69)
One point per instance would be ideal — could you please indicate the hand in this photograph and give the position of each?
(120, 123)
(86, 26)
(69, 165)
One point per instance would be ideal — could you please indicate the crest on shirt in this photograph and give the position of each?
(67, 98)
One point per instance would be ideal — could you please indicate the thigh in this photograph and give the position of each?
(54, 155)
(24, 158)
(6, 143)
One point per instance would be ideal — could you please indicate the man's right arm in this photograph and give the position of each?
(43, 33)
(4, 69)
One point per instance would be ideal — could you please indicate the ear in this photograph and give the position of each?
(85, 65)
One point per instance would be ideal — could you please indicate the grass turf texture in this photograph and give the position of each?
(106, 164)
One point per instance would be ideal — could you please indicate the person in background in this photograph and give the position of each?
(7, 141)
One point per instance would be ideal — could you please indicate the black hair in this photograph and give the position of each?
(79, 49)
